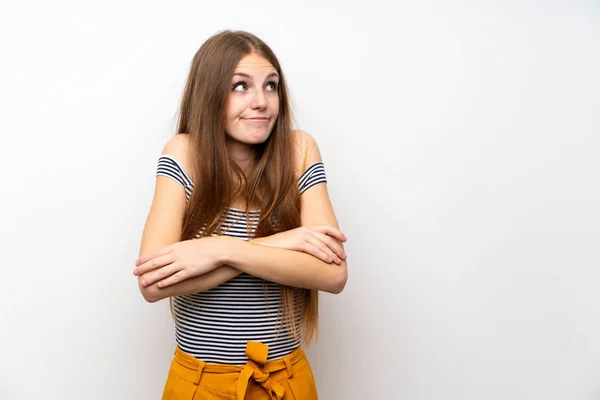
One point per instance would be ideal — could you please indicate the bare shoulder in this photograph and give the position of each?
(178, 147)
(306, 150)
(303, 139)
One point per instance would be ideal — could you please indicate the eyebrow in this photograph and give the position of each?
(242, 74)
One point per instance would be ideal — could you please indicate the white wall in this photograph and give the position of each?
(461, 144)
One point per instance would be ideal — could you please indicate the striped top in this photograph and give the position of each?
(215, 325)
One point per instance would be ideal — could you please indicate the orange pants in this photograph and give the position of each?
(289, 378)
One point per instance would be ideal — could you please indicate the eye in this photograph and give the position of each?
(272, 86)
(239, 86)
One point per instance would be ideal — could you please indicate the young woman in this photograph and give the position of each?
(236, 170)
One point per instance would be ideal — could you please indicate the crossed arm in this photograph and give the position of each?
(179, 269)
(169, 267)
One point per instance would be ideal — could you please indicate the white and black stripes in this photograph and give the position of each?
(313, 175)
(215, 325)
(169, 167)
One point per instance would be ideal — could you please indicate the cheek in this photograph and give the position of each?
(234, 108)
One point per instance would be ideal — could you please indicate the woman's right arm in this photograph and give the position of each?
(163, 227)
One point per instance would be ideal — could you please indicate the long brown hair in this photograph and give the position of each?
(269, 185)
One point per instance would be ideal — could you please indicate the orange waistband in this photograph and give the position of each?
(192, 362)
(257, 369)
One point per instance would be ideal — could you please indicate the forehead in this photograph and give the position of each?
(254, 63)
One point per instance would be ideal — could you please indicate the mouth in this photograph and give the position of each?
(259, 121)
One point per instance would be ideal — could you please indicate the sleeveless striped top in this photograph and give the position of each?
(214, 326)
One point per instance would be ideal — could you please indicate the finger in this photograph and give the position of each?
(151, 277)
(173, 279)
(335, 232)
(154, 263)
(315, 251)
(331, 231)
(156, 253)
(332, 244)
(324, 248)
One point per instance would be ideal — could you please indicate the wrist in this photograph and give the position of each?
(227, 249)
(261, 240)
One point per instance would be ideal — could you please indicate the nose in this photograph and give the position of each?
(259, 101)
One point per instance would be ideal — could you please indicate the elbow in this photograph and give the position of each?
(149, 293)
(338, 282)
(150, 298)
(338, 286)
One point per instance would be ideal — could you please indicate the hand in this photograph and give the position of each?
(318, 241)
(179, 261)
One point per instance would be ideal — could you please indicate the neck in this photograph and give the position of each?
(241, 154)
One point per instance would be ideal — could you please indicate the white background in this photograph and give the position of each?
(461, 143)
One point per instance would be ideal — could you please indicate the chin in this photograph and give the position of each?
(253, 138)
(259, 140)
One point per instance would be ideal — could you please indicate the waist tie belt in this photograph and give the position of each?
(257, 353)
(257, 369)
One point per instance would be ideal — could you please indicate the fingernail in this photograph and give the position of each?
(135, 271)
(143, 282)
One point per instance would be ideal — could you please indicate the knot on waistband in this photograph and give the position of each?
(257, 353)
(257, 374)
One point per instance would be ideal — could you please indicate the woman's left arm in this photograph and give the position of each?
(287, 267)
(295, 268)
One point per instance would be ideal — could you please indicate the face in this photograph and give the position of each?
(253, 103)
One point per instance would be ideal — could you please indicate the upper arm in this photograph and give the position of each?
(165, 219)
(315, 205)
